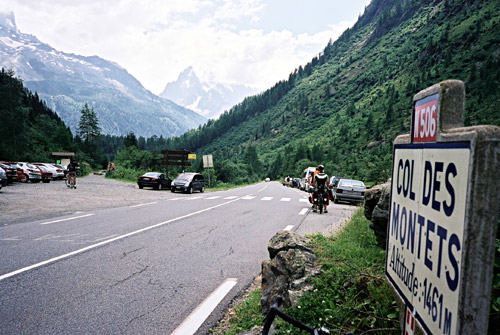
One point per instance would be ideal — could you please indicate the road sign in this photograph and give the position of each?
(191, 156)
(208, 161)
(443, 215)
(426, 234)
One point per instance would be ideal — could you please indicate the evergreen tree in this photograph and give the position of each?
(88, 126)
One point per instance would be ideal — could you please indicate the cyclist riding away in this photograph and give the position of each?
(320, 180)
(72, 167)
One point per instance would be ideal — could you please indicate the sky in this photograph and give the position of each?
(250, 42)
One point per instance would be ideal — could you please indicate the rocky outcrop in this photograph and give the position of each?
(377, 204)
(286, 274)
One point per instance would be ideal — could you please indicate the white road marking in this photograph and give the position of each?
(191, 324)
(248, 197)
(303, 211)
(148, 203)
(174, 199)
(231, 197)
(214, 197)
(266, 198)
(288, 228)
(194, 198)
(285, 199)
(67, 219)
(303, 200)
(120, 237)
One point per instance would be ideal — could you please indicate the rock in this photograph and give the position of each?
(286, 274)
(377, 204)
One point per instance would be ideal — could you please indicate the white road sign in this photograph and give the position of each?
(426, 230)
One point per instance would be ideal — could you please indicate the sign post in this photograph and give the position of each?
(207, 164)
(443, 216)
(177, 158)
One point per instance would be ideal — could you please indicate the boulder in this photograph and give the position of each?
(286, 274)
(377, 205)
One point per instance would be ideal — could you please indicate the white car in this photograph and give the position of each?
(30, 172)
(56, 172)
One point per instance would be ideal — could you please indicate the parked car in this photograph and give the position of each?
(10, 171)
(30, 172)
(63, 168)
(295, 182)
(3, 178)
(46, 174)
(156, 180)
(188, 182)
(349, 190)
(56, 172)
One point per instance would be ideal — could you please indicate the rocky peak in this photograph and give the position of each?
(8, 21)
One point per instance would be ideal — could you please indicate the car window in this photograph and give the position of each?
(351, 183)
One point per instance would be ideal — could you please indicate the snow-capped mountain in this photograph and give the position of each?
(208, 101)
(67, 81)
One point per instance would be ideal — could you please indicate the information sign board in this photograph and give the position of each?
(425, 119)
(426, 230)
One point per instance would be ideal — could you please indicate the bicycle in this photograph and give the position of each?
(276, 311)
(70, 182)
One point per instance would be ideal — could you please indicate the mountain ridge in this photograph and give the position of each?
(209, 101)
(67, 81)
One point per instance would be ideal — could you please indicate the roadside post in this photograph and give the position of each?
(207, 164)
(443, 216)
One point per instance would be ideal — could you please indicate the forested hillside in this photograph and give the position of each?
(29, 130)
(346, 106)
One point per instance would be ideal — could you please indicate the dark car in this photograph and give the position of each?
(156, 180)
(188, 182)
(10, 171)
(349, 190)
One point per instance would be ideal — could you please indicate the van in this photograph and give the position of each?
(304, 180)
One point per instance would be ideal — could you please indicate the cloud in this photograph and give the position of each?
(155, 39)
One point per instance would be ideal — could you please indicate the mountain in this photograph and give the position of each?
(208, 101)
(67, 81)
(345, 107)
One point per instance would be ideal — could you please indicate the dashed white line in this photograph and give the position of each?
(248, 197)
(231, 197)
(214, 197)
(146, 204)
(303, 200)
(285, 199)
(303, 211)
(191, 324)
(266, 198)
(288, 228)
(67, 219)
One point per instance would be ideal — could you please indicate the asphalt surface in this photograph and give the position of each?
(108, 258)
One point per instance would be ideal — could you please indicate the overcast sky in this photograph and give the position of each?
(251, 42)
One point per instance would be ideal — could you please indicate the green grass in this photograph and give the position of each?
(351, 293)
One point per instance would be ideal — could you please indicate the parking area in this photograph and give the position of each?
(22, 202)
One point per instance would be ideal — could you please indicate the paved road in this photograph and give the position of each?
(144, 267)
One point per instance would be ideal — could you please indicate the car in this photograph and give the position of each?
(56, 172)
(46, 174)
(30, 172)
(156, 180)
(295, 182)
(10, 171)
(188, 182)
(63, 168)
(349, 190)
(268, 180)
(3, 178)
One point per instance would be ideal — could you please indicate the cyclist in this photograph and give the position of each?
(320, 180)
(72, 167)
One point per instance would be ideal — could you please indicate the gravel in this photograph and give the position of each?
(29, 202)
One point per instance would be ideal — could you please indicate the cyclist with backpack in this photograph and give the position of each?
(320, 181)
(72, 167)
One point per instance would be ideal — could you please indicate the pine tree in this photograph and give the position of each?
(88, 126)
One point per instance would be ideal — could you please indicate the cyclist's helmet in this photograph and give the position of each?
(321, 168)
